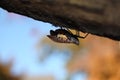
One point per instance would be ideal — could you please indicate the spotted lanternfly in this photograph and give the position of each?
(64, 36)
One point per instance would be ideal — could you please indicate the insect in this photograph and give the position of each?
(65, 36)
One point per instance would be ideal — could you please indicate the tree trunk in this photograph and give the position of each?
(98, 17)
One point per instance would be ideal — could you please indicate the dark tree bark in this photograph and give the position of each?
(98, 17)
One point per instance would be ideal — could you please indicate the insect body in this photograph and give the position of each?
(64, 36)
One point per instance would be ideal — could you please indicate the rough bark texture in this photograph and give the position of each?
(98, 17)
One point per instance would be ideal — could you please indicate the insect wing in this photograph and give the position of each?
(75, 40)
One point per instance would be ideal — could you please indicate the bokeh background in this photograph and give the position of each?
(27, 54)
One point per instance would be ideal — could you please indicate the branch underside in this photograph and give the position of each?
(98, 17)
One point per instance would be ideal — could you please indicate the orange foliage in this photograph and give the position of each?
(101, 61)
(5, 72)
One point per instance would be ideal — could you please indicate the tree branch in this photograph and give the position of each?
(98, 17)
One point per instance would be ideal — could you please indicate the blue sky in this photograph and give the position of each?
(17, 43)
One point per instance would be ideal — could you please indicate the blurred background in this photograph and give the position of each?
(27, 54)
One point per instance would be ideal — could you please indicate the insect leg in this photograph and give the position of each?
(77, 33)
(83, 36)
(69, 30)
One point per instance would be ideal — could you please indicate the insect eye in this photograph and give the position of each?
(53, 33)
